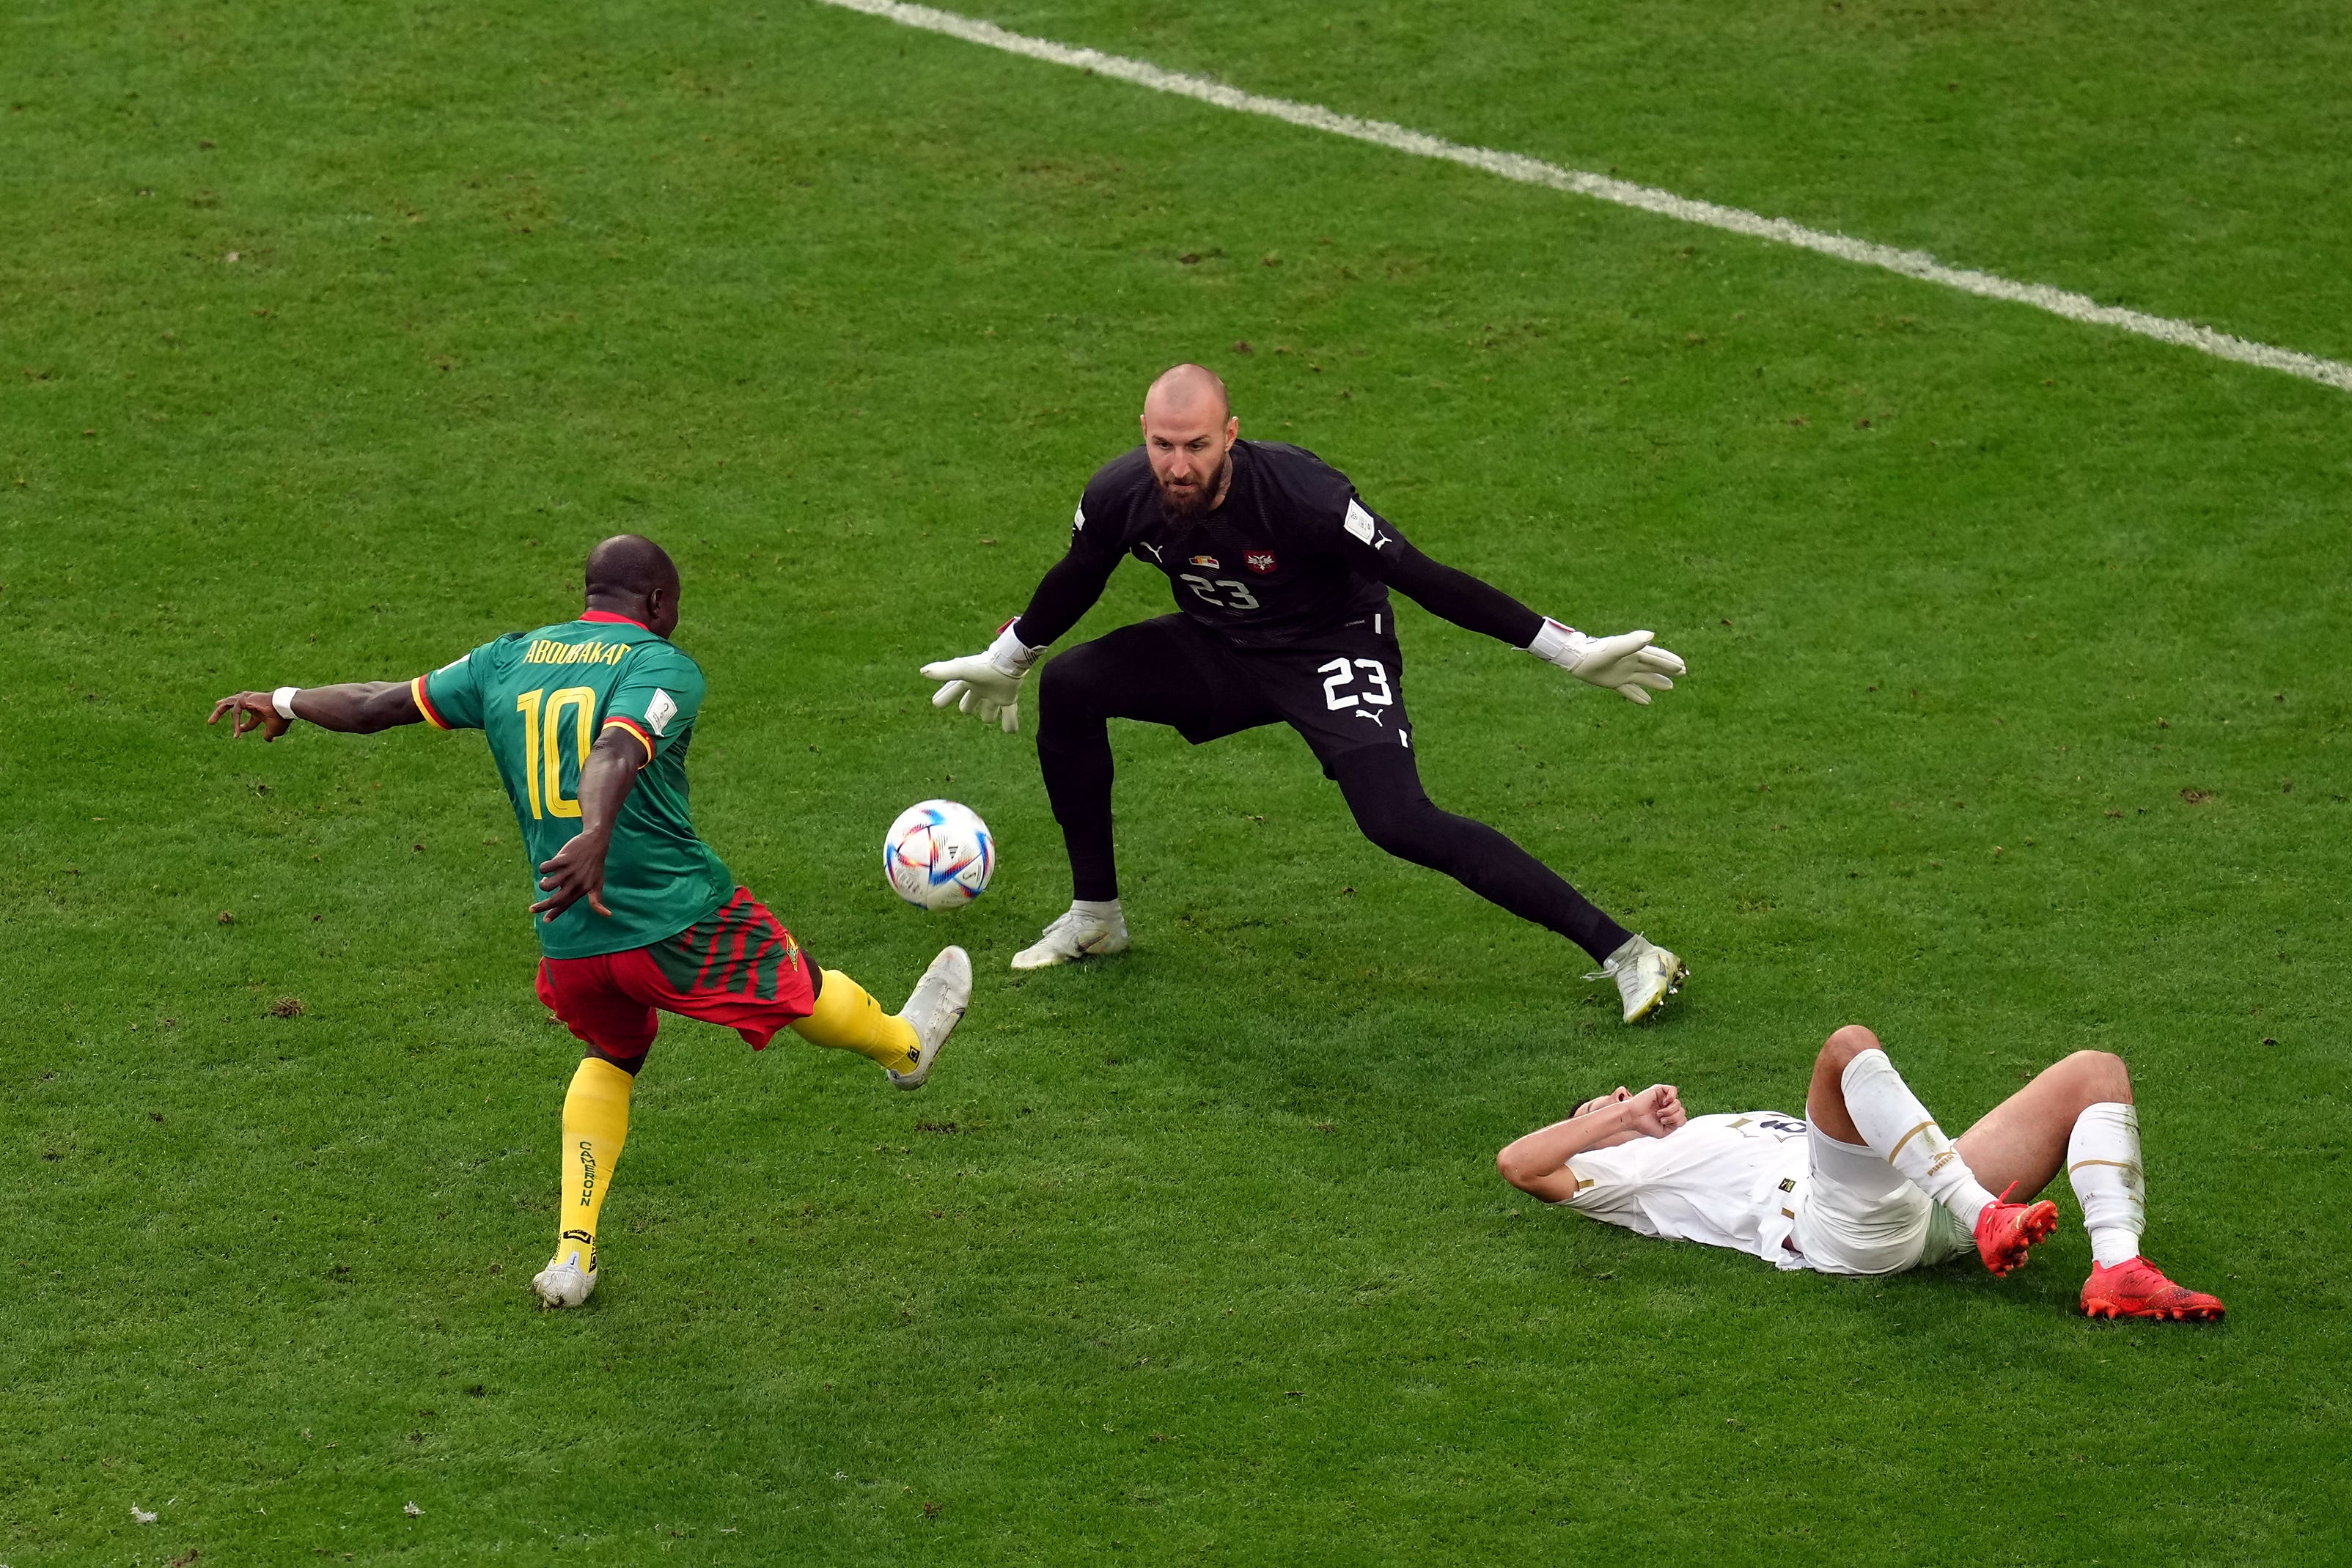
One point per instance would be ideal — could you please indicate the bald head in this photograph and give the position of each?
(1184, 391)
(630, 575)
(1188, 429)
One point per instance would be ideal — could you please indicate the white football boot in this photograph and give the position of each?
(1647, 975)
(935, 1008)
(563, 1283)
(1081, 933)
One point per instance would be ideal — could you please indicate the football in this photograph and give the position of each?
(938, 854)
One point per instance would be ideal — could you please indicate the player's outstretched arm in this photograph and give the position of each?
(1626, 663)
(577, 870)
(358, 707)
(1537, 1163)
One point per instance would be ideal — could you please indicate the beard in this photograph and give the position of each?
(1179, 506)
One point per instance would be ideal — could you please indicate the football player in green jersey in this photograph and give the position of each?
(589, 722)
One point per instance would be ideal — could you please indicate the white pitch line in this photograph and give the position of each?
(1527, 171)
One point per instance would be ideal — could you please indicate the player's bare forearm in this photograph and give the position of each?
(605, 784)
(577, 870)
(1537, 1163)
(356, 707)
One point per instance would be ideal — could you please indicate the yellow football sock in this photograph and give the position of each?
(846, 1019)
(595, 1125)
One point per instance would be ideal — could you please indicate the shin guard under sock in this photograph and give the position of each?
(2103, 1163)
(846, 1019)
(1893, 1122)
(595, 1125)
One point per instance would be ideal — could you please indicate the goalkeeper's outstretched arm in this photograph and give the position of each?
(1625, 663)
(357, 707)
(1066, 592)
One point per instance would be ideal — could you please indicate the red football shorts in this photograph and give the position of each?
(737, 966)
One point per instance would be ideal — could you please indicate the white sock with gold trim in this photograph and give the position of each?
(2103, 1163)
(1897, 1125)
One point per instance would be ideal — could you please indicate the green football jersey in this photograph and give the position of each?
(542, 698)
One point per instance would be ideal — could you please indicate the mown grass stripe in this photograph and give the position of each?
(1916, 264)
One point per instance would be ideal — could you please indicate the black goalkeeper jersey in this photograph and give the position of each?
(1292, 552)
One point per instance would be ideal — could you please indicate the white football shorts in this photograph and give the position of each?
(1855, 1214)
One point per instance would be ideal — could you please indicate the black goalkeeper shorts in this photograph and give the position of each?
(1341, 690)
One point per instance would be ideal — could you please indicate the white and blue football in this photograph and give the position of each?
(938, 855)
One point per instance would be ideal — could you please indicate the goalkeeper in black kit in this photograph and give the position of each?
(1281, 575)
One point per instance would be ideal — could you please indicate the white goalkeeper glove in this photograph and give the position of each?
(1625, 663)
(988, 682)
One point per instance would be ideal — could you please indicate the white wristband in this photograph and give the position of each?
(282, 699)
(1555, 644)
(1010, 653)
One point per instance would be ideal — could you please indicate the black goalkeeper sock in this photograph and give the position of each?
(1075, 757)
(1382, 787)
(1138, 671)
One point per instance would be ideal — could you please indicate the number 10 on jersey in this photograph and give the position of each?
(542, 750)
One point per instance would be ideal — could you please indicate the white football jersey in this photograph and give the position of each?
(1725, 1180)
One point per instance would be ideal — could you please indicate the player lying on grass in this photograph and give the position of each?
(1281, 575)
(1868, 1184)
(589, 722)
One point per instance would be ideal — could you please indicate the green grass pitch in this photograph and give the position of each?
(332, 335)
